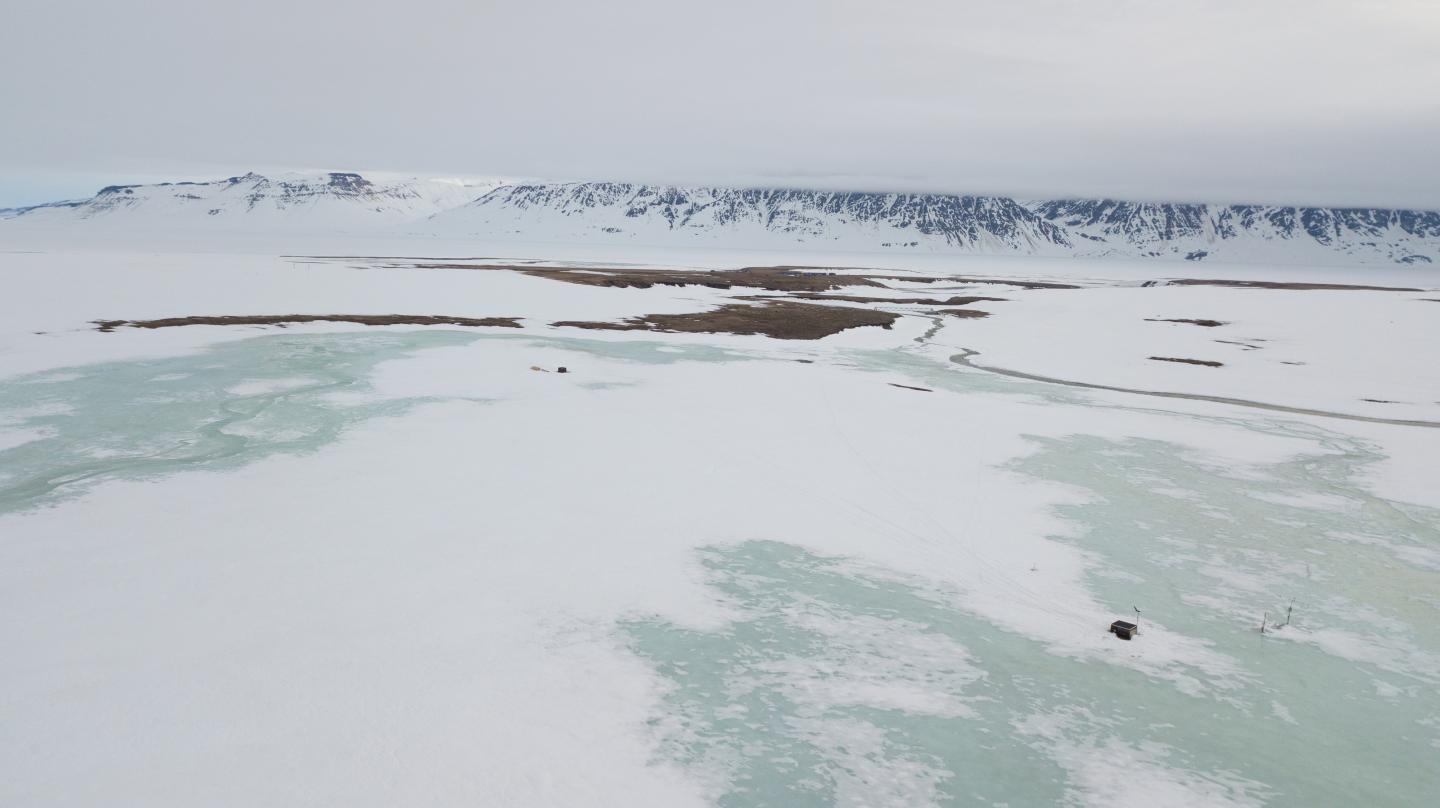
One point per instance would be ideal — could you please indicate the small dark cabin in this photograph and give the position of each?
(1124, 630)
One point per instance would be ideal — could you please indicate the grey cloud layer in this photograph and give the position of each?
(1318, 101)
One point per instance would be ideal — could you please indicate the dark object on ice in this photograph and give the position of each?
(1124, 630)
(1204, 323)
(561, 369)
(1206, 362)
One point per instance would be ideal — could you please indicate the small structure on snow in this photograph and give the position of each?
(562, 369)
(1123, 629)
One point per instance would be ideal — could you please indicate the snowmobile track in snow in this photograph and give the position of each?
(963, 358)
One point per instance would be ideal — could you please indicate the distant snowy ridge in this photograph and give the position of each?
(1372, 235)
(761, 218)
(651, 214)
(324, 201)
(865, 220)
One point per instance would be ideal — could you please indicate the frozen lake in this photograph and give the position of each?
(693, 571)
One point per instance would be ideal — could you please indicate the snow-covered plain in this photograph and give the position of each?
(373, 566)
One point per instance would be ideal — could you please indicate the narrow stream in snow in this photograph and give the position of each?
(837, 682)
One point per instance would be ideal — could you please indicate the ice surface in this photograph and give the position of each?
(339, 565)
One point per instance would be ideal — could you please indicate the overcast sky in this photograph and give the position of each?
(1306, 101)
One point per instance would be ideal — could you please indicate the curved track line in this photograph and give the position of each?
(963, 358)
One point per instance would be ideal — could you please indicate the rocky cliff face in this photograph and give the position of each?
(757, 214)
(1160, 229)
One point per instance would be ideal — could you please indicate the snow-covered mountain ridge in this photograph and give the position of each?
(1192, 230)
(945, 222)
(332, 200)
(765, 218)
(855, 219)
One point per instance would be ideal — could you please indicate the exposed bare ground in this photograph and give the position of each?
(898, 301)
(283, 320)
(778, 315)
(779, 319)
(1294, 286)
(1203, 323)
(1206, 362)
(774, 279)
(1009, 282)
